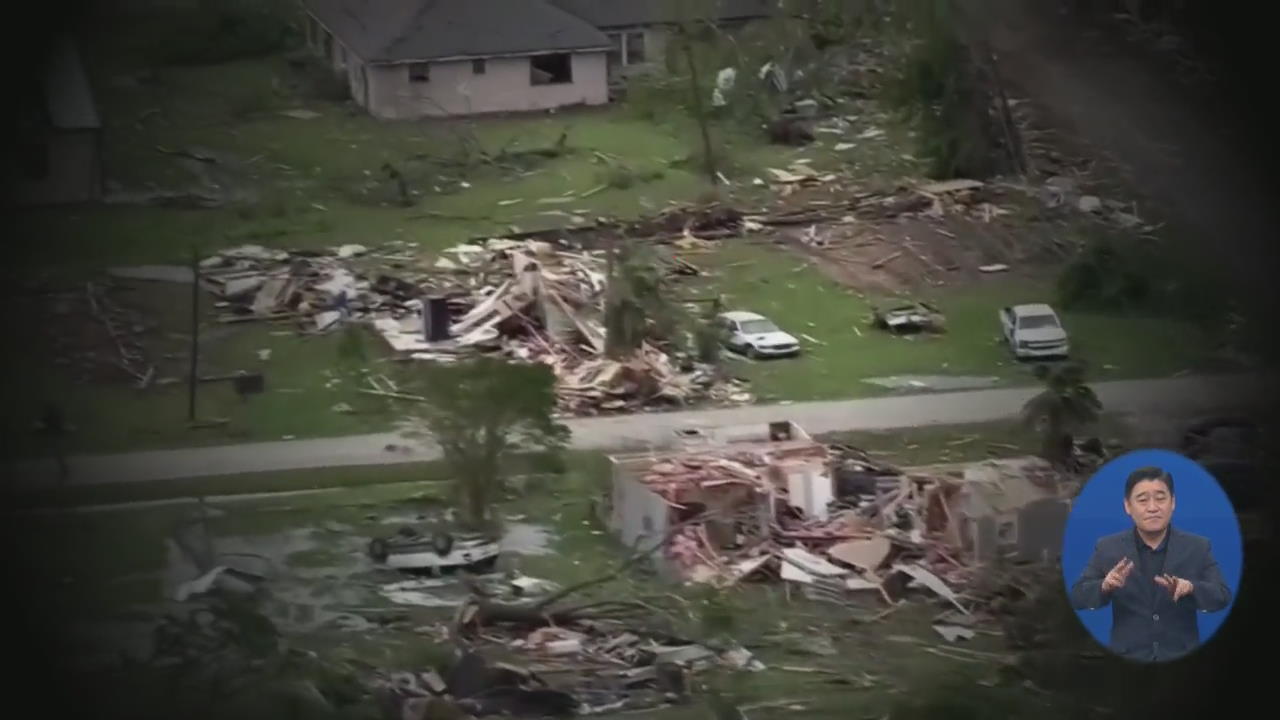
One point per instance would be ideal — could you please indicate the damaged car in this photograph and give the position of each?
(910, 318)
(435, 553)
(755, 335)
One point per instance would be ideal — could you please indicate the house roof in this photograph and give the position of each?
(622, 13)
(381, 31)
(67, 96)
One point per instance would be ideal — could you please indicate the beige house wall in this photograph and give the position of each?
(504, 86)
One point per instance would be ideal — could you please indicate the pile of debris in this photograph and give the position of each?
(587, 668)
(834, 521)
(971, 199)
(528, 300)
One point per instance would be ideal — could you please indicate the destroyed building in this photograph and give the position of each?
(528, 301)
(1000, 508)
(725, 504)
(728, 481)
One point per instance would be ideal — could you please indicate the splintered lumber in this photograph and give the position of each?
(886, 260)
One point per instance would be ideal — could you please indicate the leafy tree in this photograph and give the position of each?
(1065, 405)
(480, 412)
(940, 86)
(636, 306)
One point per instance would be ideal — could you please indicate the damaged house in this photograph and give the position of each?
(717, 493)
(724, 505)
(440, 58)
(1012, 508)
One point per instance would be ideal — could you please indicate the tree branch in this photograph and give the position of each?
(626, 564)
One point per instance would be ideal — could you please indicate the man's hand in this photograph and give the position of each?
(1118, 575)
(1177, 587)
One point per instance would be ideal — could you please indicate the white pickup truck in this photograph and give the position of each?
(1034, 331)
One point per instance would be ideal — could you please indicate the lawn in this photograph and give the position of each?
(845, 350)
(320, 182)
(119, 559)
(313, 183)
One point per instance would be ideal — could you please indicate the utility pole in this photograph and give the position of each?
(193, 378)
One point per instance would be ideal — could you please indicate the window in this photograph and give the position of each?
(478, 67)
(342, 56)
(635, 48)
(615, 49)
(1035, 322)
(757, 327)
(556, 69)
(420, 72)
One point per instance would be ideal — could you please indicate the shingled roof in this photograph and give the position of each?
(382, 31)
(623, 13)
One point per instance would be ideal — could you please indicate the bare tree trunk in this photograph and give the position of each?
(699, 111)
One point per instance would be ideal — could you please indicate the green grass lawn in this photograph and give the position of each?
(776, 282)
(310, 183)
(117, 558)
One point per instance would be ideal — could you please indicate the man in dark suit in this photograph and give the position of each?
(1155, 576)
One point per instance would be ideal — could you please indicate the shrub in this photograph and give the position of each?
(937, 84)
(1124, 276)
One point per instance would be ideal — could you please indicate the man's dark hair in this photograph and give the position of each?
(1147, 473)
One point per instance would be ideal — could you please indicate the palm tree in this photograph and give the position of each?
(1064, 406)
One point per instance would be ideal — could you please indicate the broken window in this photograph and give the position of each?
(635, 48)
(554, 69)
(420, 72)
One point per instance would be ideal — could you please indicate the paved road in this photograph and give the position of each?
(643, 431)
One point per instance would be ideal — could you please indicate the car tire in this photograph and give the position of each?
(752, 352)
(379, 550)
(442, 543)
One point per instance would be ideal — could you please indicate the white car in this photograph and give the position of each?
(1034, 331)
(755, 335)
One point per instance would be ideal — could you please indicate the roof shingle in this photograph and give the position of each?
(405, 30)
(622, 13)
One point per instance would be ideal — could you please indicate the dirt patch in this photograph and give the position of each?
(909, 254)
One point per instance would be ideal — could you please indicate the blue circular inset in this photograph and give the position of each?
(1204, 542)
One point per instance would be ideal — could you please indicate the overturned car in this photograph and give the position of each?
(436, 552)
(909, 318)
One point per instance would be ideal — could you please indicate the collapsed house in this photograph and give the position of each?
(724, 495)
(770, 501)
(1011, 508)
(528, 300)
